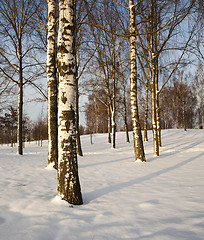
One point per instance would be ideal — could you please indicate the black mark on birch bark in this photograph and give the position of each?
(63, 98)
(67, 125)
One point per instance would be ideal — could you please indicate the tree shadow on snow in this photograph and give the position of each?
(104, 162)
(103, 191)
(175, 150)
(181, 149)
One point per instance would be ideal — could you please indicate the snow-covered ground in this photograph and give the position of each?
(160, 199)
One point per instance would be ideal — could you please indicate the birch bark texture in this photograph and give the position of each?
(137, 135)
(52, 84)
(68, 180)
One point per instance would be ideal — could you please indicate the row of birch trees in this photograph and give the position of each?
(160, 51)
(148, 27)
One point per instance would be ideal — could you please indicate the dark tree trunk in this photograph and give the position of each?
(146, 115)
(78, 139)
(154, 58)
(20, 102)
(109, 125)
(124, 99)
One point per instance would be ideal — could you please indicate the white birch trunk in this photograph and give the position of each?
(154, 123)
(68, 180)
(137, 135)
(158, 120)
(154, 107)
(52, 84)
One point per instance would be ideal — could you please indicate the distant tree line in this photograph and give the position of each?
(32, 131)
(179, 106)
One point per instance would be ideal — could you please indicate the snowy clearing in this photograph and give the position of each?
(160, 199)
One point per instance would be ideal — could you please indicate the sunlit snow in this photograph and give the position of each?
(161, 199)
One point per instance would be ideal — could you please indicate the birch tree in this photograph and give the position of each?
(124, 101)
(116, 31)
(68, 179)
(154, 62)
(137, 135)
(16, 50)
(160, 26)
(106, 58)
(52, 84)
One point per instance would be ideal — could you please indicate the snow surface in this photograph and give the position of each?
(123, 199)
